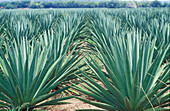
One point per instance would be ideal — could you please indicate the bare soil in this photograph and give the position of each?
(76, 104)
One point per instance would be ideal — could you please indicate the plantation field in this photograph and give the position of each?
(110, 59)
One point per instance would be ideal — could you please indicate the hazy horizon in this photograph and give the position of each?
(79, 0)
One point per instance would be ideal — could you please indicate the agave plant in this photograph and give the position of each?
(133, 80)
(162, 32)
(64, 42)
(17, 29)
(25, 79)
(1, 42)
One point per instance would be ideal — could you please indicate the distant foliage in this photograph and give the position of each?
(9, 6)
(35, 5)
(156, 3)
(82, 4)
(117, 57)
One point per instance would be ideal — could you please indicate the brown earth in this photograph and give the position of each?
(76, 104)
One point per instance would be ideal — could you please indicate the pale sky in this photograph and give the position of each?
(145, 0)
(103, 0)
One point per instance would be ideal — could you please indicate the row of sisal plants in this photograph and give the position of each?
(42, 49)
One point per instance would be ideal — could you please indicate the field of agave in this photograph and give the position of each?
(125, 50)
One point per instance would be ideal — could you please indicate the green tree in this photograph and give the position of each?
(24, 4)
(165, 4)
(91, 5)
(35, 5)
(3, 4)
(9, 6)
(113, 4)
(144, 4)
(47, 4)
(156, 3)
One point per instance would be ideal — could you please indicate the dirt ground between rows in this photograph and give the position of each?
(76, 104)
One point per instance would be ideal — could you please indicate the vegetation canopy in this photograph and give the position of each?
(118, 57)
(82, 4)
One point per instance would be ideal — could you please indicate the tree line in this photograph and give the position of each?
(80, 4)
